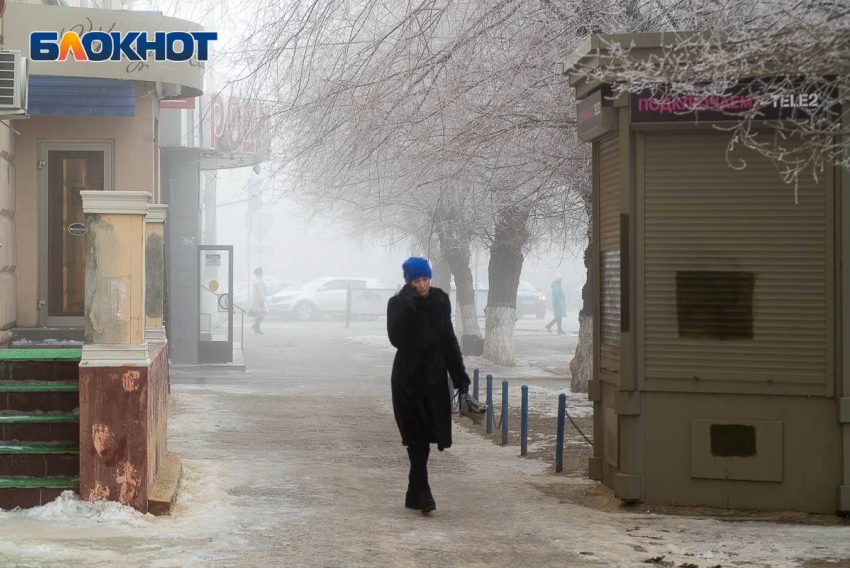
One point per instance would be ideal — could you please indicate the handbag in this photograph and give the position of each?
(473, 408)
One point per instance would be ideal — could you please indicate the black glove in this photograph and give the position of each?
(463, 388)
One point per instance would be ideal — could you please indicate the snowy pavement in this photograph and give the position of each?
(297, 462)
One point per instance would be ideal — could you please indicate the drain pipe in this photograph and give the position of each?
(843, 385)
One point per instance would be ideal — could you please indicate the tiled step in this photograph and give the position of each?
(40, 364)
(26, 492)
(41, 386)
(37, 448)
(39, 459)
(35, 427)
(47, 396)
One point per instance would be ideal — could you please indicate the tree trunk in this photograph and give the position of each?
(442, 274)
(459, 258)
(504, 270)
(581, 367)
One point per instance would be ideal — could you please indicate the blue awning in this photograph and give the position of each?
(49, 94)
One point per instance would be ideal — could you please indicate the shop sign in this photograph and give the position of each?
(595, 117)
(99, 45)
(234, 126)
(77, 229)
(738, 103)
(213, 259)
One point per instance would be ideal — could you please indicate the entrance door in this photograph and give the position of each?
(215, 297)
(66, 169)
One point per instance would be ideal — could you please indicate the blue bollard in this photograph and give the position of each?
(460, 400)
(451, 392)
(524, 428)
(475, 384)
(489, 404)
(504, 413)
(559, 450)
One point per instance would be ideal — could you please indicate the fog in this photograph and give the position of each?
(293, 244)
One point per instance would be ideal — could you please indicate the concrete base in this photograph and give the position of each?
(115, 355)
(163, 494)
(123, 429)
(155, 335)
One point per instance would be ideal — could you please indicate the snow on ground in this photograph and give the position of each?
(70, 532)
(377, 341)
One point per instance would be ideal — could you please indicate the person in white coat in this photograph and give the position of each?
(258, 304)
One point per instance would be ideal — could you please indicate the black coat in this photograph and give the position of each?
(421, 329)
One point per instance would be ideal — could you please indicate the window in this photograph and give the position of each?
(715, 304)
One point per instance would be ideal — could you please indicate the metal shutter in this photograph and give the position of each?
(704, 217)
(609, 250)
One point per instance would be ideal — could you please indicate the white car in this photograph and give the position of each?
(273, 286)
(323, 296)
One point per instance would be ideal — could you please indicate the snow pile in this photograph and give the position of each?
(68, 509)
(544, 401)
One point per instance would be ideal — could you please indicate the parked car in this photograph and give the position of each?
(273, 286)
(323, 296)
(529, 300)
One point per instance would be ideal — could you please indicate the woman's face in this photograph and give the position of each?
(421, 285)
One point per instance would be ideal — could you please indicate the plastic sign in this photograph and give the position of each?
(115, 46)
(77, 229)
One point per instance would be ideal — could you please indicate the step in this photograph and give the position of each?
(36, 427)
(41, 386)
(39, 459)
(19, 418)
(44, 396)
(37, 448)
(26, 492)
(27, 481)
(56, 354)
(40, 364)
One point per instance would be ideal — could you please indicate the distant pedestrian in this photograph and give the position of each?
(258, 304)
(419, 325)
(559, 305)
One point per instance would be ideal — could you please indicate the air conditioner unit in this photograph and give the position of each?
(13, 84)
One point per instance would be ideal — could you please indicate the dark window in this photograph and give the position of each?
(715, 304)
(733, 440)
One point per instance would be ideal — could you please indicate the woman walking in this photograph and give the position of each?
(420, 327)
(258, 304)
(559, 305)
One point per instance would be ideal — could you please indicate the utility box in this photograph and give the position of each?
(718, 377)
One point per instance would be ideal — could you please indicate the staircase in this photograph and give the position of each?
(39, 425)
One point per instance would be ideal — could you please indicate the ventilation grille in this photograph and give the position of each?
(13, 79)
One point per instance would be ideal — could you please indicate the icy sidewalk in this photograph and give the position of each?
(69, 532)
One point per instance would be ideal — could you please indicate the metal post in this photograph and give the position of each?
(524, 428)
(348, 306)
(504, 413)
(475, 384)
(451, 390)
(461, 398)
(489, 404)
(559, 450)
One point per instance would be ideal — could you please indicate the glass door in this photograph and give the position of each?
(65, 171)
(215, 296)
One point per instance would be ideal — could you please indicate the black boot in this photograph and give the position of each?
(419, 492)
(411, 499)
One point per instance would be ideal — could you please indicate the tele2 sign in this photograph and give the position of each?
(114, 46)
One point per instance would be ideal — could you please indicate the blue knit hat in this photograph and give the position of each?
(415, 267)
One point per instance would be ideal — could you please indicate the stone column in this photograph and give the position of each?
(155, 273)
(115, 279)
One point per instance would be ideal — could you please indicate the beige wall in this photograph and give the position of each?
(8, 256)
(133, 170)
